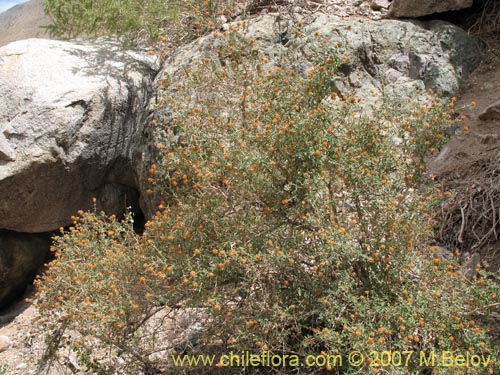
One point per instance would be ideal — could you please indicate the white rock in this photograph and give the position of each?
(5, 343)
(21, 366)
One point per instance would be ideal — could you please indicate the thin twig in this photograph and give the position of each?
(460, 238)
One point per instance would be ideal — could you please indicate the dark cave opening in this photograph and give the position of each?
(23, 256)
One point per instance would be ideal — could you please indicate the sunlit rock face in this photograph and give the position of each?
(71, 116)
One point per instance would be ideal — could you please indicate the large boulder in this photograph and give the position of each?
(412, 8)
(71, 117)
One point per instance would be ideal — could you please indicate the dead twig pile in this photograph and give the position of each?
(471, 215)
(484, 24)
(487, 21)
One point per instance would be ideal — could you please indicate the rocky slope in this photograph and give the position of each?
(23, 21)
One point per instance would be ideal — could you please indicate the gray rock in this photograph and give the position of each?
(21, 255)
(433, 54)
(426, 52)
(462, 51)
(469, 268)
(380, 4)
(412, 8)
(492, 112)
(400, 62)
(5, 343)
(71, 117)
(393, 76)
(443, 252)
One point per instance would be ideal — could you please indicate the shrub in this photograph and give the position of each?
(183, 19)
(294, 221)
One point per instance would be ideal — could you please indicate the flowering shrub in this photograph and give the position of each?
(294, 221)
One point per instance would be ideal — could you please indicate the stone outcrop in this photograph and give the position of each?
(402, 56)
(413, 9)
(71, 117)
